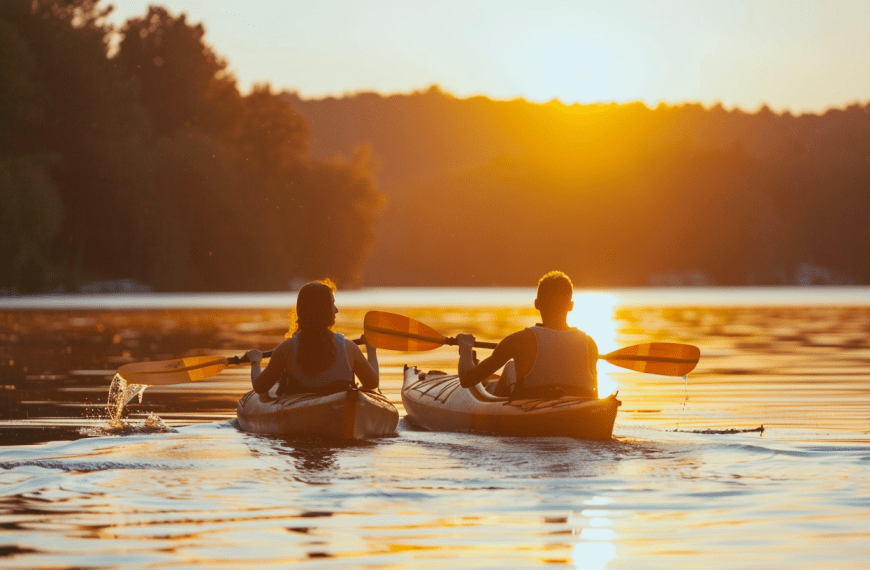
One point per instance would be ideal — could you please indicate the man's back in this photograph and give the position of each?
(566, 358)
(544, 356)
(562, 357)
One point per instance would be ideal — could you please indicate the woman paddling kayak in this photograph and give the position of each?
(315, 359)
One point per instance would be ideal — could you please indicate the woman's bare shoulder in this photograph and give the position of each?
(284, 349)
(351, 347)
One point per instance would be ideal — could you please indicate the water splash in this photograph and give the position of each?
(134, 390)
(120, 394)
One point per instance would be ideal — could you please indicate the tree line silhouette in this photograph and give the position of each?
(483, 192)
(131, 153)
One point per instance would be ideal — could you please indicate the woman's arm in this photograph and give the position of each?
(263, 380)
(372, 357)
(367, 370)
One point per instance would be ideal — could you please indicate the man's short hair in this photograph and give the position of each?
(554, 289)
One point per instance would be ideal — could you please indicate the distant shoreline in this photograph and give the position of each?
(452, 296)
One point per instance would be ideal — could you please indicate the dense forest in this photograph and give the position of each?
(131, 154)
(483, 192)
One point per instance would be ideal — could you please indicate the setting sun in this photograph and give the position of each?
(594, 314)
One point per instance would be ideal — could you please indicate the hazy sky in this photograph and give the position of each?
(794, 54)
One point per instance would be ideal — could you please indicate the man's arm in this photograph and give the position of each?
(471, 374)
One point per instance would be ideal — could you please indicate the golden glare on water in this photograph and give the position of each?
(594, 314)
(596, 548)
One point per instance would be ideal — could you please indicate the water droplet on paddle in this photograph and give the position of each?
(686, 383)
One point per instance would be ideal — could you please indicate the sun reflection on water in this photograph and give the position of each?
(595, 549)
(593, 555)
(594, 313)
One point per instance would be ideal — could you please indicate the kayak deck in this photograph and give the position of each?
(436, 401)
(351, 414)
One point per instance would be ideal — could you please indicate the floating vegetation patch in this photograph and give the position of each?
(759, 429)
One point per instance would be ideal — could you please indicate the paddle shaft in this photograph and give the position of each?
(478, 343)
(612, 355)
(638, 358)
(398, 332)
(244, 358)
(422, 337)
(182, 370)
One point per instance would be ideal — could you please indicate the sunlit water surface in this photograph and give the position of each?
(689, 480)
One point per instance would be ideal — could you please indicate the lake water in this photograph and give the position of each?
(689, 480)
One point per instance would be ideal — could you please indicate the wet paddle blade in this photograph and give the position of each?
(664, 358)
(397, 332)
(177, 371)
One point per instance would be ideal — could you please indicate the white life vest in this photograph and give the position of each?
(338, 371)
(562, 358)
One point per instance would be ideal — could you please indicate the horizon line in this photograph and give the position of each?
(555, 101)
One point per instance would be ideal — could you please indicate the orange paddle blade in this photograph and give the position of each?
(665, 358)
(177, 371)
(397, 332)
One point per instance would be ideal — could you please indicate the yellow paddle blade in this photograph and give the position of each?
(664, 358)
(177, 371)
(397, 332)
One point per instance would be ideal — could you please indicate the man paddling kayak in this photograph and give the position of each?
(315, 359)
(548, 359)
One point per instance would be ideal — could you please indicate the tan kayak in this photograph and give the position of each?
(352, 414)
(437, 402)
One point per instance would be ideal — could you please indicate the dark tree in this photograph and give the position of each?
(31, 212)
(183, 83)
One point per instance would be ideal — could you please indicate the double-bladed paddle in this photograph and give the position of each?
(390, 331)
(397, 332)
(181, 370)
(178, 371)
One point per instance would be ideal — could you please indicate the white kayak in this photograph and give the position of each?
(437, 402)
(350, 414)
